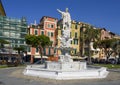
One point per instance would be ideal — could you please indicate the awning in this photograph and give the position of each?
(38, 56)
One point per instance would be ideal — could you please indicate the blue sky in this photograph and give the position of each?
(99, 13)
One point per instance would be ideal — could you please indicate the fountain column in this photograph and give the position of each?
(65, 40)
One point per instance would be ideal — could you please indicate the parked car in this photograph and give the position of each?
(112, 61)
(118, 61)
(13, 61)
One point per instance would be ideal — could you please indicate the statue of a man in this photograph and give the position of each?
(66, 19)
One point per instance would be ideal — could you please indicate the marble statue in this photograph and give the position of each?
(66, 18)
(65, 40)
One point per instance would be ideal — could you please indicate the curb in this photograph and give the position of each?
(114, 70)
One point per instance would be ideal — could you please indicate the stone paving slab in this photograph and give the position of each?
(14, 76)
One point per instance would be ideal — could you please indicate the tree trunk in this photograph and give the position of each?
(40, 52)
(20, 59)
(108, 54)
(89, 54)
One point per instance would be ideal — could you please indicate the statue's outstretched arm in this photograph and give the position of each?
(59, 11)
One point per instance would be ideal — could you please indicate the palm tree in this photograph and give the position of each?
(90, 34)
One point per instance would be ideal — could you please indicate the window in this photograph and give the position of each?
(76, 26)
(71, 42)
(29, 50)
(50, 26)
(1, 33)
(6, 34)
(17, 35)
(75, 34)
(70, 34)
(12, 35)
(23, 35)
(44, 51)
(76, 41)
(48, 33)
(23, 30)
(37, 50)
(51, 34)
(55, 50)
(49, 51)
(22, 42)
(75, 51)
(42, 32)
(36, 32)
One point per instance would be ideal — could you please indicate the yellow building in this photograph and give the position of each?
(2, 11)
(74, 34)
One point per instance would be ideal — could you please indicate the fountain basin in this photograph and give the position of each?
(63, 74)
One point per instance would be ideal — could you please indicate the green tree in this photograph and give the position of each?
(19, 49)
(39, 42)
(2, 42)
(116, 46)
(109, 45)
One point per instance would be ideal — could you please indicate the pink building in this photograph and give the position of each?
(105, 34)
(47, 26)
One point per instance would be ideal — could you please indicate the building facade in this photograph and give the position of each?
(13, 30)
(106, 34)
(47, 26)
(53, 28)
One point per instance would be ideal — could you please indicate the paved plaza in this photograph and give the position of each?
(14, 76)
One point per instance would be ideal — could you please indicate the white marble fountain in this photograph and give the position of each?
(65, 68)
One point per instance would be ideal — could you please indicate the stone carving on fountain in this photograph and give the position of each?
(65, 40)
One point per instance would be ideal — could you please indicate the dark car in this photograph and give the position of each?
(112, 61)
(118, 62)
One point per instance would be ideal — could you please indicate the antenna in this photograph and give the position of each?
(35, 22)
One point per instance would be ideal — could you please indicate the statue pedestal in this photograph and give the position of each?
(65, 66)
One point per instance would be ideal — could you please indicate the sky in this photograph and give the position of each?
(99, 13)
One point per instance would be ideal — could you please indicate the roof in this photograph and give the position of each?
(47, 17)
(2, 11)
